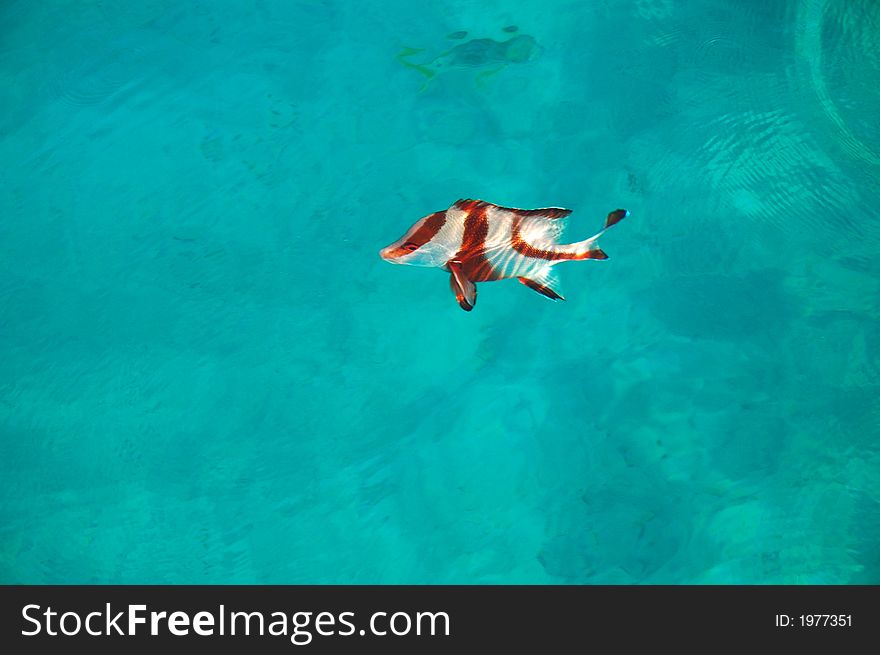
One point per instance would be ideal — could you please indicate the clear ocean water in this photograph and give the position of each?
(208, 375)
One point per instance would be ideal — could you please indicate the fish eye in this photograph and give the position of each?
(410, 246)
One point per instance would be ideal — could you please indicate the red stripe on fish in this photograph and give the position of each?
(527, 250)
(476, 229)
(472, 253)
(427, 231)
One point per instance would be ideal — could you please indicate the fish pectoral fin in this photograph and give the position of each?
(543, 285)
(484, 75)
(464, 289)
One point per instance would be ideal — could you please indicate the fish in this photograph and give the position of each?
(487, 55)
(477, 241)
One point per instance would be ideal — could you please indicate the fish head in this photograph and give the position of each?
(418, 247)
(442, 63)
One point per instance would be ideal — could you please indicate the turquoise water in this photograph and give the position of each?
(208, 375)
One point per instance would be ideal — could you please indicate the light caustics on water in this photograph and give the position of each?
(811, 22)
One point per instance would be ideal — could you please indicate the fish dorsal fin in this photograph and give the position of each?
(468, 204)
(464, 289)
(547, 213)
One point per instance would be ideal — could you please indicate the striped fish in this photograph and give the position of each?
(476, 241)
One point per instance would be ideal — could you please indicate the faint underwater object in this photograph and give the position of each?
(487, 55)
(476, 241)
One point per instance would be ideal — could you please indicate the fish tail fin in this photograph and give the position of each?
(588, 248)
(615, 217)
(409, 52)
